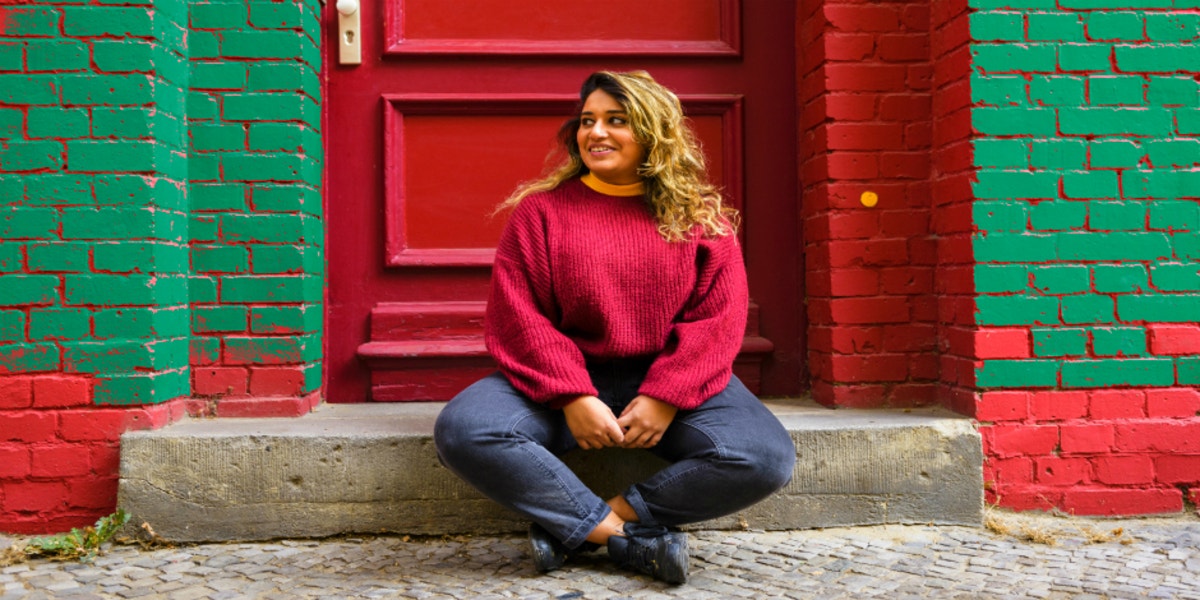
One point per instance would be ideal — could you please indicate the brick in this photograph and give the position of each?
(1086, 309)
(1175, 308)
(1161, 435)
(1119, 341)
(95, 493)
(1057, 216)
(1114, 153)
(284, 15)
(264, 351)
(1000, 278)
(63, 257)
(270, 228)
(60, 460)
(60, 189)
(262, 167)
(1017, 310)
(1062, 471)
(56, 55)
(35, 21)
(276, 381)
(1087, 438)
(285, 76)
(1118, 372)
(28, 89)
(1180, 153)
(1174, 216)
(1154, 58)
(1000, 216)
(88, 21)
(1015, 121)
(28, 426)
(1174, 339)
(1056, 90)
(1116, 404)
(217, 197)
(141, 388)
(1115, 26)
(28, 358)
(11, 123)
(277, 259)
(61, 392)
(1160, 183)
(1001, 58)
(18, 290)
(999, 90)
(31, 156)
(111, 290)
(12, 326)
(1003, 406)
(1054, 280)
(1016, 184)
(35, 497)
(11, 258)
(1001, 153)
(141, 323)
(1113, 246)
(111, 156)
(1116, 91)
(1059, 342)
(218, 15)
(1116, 121)
(220, 381)
(206, 138)
(261, 44)
(1124, 470)
(1003, 247)
(1175, 277)
(1058, 154)
(1020, 440)
(129, 89)
(204, 351)
(220, 259)
(1173, 403)
(1173, 91)
(284, 198)
(123, 56)
(61, 324)
(1177, 469)
(14, 462)
(1085, 57)
(1055, 27)
(1058, 405)
(1116, 216)
(263, 289)
(1110, 502)
(214, 319)
(15, 392)
(999, 373)
(1173, 26)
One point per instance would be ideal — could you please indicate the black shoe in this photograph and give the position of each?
(548, 553)
(655, 551)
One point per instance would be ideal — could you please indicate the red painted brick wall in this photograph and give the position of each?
(865, 76)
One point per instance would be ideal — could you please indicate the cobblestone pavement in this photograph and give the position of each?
(1156, 558)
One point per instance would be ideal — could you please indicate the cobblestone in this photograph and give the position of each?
(1149, 558)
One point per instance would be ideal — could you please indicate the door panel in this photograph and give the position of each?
(423, 145)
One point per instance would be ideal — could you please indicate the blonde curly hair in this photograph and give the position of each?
(676, 180)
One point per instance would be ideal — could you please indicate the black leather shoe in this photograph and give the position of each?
(653, 550)
(548, 553)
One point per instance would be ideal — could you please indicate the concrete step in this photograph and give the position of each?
(371, 468)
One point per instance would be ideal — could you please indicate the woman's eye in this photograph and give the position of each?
(617, 120)
(587, 122)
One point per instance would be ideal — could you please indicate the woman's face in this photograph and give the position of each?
(606, 141)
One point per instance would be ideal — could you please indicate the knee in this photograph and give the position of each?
(769, 467)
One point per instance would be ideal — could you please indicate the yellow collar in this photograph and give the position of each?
(609, 189)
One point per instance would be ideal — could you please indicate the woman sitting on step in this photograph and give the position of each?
(618, 305)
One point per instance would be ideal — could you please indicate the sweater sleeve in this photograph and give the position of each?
(697, 361)
(538, 359)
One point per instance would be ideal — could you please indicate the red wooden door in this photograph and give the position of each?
(455, 103)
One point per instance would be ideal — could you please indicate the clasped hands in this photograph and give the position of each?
(640, 425)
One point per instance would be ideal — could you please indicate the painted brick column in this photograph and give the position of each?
(93, 255)
(1088, 232)
(865, 77)
(257, 234)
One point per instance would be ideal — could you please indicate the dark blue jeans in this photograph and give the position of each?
(725, 455)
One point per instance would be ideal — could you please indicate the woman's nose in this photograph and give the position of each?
(597, 130)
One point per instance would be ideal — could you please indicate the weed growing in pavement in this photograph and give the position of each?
(78, 544)
(1041, 533)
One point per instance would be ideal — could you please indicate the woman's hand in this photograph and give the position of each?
(593, 423)
(644, 421)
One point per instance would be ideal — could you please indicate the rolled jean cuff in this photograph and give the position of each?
(589, 523)
(634, 498)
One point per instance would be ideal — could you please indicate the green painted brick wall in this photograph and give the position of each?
(160, 200)
(1087, 119)
(255, 153)
(93, 215)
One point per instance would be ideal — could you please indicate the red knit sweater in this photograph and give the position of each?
(582, 275)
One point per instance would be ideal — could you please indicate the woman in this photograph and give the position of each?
(618, 305)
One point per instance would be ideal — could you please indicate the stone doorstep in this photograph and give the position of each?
(371, 468)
